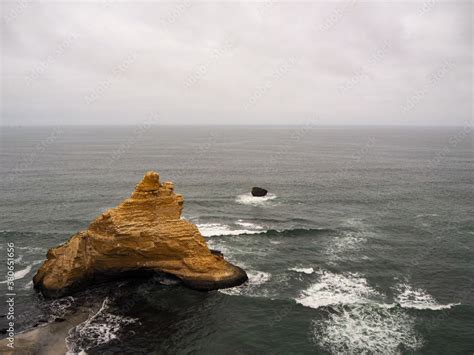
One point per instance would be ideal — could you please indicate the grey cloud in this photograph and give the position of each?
(57, 55)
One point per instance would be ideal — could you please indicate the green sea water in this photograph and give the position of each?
(364, 244)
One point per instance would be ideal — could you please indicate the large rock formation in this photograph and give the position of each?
(144, 234)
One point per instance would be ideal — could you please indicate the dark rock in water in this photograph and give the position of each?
(216, 252)
(258, 191)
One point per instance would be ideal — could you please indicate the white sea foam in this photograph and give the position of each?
(248, 199)
(218, 229)
(100, 328)
(349, 241)
(426, 215)
(409, 297)
(20, 274)
(333, 289)
(304, 270)
(249, 225)
(32, 250)
(59, 307)
(363, 328)
(353, 222)
(252, 287)
(229, 254)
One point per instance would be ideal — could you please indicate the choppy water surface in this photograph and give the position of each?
(365, 243)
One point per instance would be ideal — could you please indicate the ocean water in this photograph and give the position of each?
(364, 244)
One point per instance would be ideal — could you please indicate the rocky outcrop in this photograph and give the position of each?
(258, 191)
(143, 235)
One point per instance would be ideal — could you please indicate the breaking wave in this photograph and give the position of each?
(19, 274)
(356, 321)
(60, 307)
(219, 229)
(252, 287)
(248, 199)
(32, 250)
(22, 273)
(417, 298)
(100, 328)
(361, 328)
(304, 270)
(334, 289)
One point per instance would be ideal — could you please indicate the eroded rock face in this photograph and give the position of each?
(144, 234)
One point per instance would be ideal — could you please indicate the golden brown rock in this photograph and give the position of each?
(145, 233)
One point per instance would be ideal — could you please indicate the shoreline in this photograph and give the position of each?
(49, 339)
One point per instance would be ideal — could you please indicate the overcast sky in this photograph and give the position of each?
(348, 62)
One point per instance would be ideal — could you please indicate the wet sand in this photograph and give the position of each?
(45, 340)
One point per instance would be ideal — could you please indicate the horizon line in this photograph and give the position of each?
(306, 125)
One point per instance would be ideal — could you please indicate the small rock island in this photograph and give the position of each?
(143, 235)
(259, 192)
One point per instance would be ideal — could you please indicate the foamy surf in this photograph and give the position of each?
(362, 328)
(248, 199)
(417, 298)
(349, 241)
(219, 229)
(100, 328)
(22, 273)
(304, 270)
(334, 289)
(60, 307)
(252, 287)
(32, 250)
(249, 225)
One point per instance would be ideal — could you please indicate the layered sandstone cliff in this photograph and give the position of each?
(144, 234)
